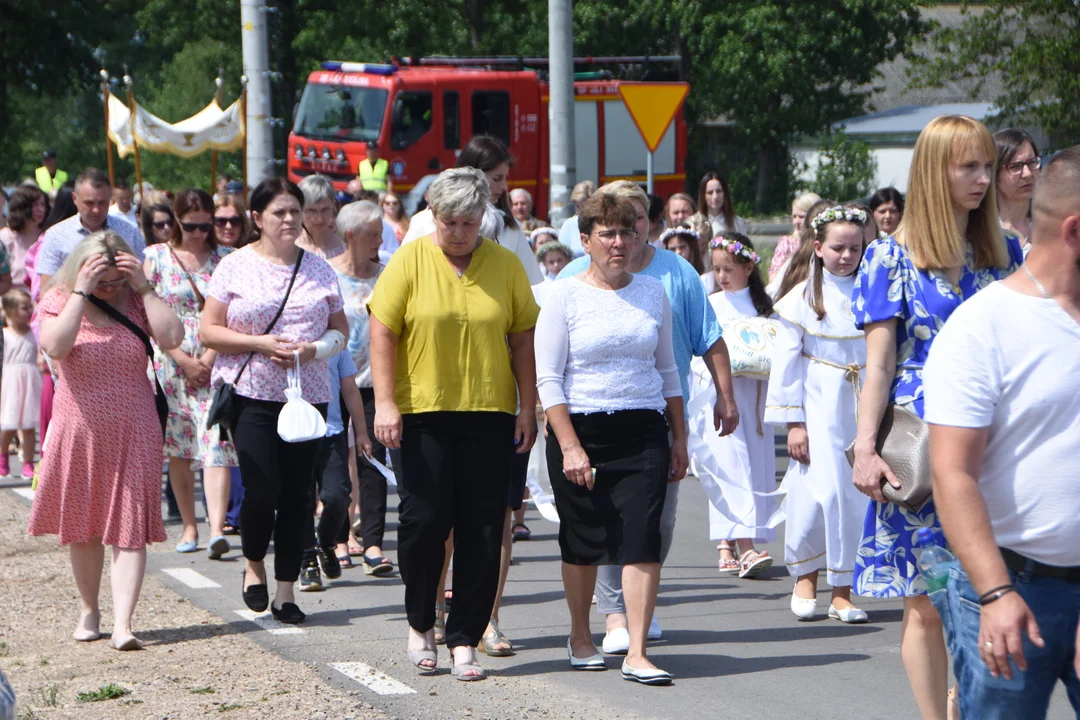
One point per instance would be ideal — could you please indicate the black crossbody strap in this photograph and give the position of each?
(277, 316)
(123, 320)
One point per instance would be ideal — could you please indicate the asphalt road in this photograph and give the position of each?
(733, 645)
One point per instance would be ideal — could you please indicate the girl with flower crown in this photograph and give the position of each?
(737, 471)
(818, 359)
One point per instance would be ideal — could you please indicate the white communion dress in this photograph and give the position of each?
(737, 472)
(814, 365)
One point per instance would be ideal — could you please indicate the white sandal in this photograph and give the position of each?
(752, 563)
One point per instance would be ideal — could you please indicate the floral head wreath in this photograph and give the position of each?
(672, 232)
(734, 247)
(839, 213)
(542, 231)
(553, 247)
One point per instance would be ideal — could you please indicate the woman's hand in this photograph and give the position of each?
(798, 443)
(680, 460)
(577, 467)
(273, 347)
(388, 425)
(867, 472)
(90, 274)
(195, 373)
(307, 354)
(525, 430)
(133, 269)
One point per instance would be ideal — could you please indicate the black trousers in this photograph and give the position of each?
(371, 481)
(455, 476)
(335, 489)
(277, 480)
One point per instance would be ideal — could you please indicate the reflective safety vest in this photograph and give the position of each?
(49, 183)
(374, 178)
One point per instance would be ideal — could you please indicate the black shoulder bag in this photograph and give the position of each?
(221, 407)
(159, 396)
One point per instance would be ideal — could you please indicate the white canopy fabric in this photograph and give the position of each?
(211, 129)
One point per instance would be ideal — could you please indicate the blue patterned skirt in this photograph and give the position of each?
(886, 566)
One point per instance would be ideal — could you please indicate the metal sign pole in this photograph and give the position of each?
(649, 173)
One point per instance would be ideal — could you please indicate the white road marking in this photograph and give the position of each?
(27, 493)
(369, 677)
(191, 578)
(267, 622)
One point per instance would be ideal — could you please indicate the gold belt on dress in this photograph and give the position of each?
(851, 372)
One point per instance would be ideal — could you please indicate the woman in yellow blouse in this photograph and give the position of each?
(452, 319)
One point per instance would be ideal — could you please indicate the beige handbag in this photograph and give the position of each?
(903, 442)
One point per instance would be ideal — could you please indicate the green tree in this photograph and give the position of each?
(845, 168)
(774, 69)
(1031, 45)
(49, 51)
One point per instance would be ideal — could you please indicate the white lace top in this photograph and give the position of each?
(606, 350)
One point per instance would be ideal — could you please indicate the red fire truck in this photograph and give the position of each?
(423, 112)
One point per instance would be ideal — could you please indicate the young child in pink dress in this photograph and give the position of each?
(20, 389)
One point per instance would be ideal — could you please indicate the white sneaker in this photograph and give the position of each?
(848, 615)
(804, 608)
(617, 642)
(655, 633)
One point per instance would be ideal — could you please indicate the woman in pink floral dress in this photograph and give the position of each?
(100, 477)
(180, 272)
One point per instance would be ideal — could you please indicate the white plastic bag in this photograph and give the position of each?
(298, 421)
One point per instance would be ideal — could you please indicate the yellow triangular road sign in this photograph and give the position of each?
(653, 107)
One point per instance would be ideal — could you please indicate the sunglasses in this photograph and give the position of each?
(113, 283)
(197, 227)
(162, 224)
(234, 221)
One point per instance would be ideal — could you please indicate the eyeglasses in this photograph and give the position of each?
(196, 227)
(319, 213)
(1017, 168)
(162, 224)
(610, 235)
(234, 221)
(113, 283)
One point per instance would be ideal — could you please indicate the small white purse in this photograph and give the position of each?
(298, 421)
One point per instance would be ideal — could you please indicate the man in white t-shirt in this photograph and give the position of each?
(1002, 388)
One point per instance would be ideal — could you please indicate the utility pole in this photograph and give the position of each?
(561, 108)
(260, 134)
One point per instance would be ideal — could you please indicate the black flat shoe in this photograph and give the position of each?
(289, 614)
(256, 597)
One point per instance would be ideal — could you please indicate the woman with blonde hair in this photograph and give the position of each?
(679, 208)
(949, 247)
(100, 482)
(788, 244)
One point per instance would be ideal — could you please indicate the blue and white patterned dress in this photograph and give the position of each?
(890, 286)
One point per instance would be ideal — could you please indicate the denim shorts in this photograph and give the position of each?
(1056, 605)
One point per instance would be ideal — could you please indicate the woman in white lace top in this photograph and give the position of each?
(607, 377)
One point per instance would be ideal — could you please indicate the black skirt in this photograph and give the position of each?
(618, 521)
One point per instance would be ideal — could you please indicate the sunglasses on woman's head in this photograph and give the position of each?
(197, 227)
(162, 224)
(230, 221)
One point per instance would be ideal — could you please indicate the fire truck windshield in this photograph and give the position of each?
(329, 112)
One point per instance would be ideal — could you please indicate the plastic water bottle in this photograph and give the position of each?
(934, 561)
